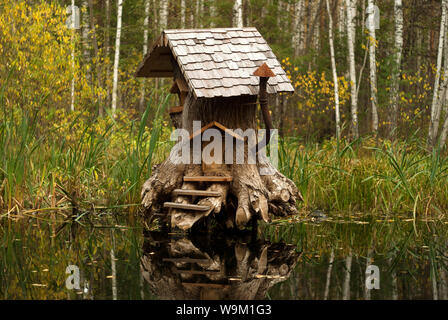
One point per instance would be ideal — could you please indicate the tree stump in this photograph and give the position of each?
(244, 193)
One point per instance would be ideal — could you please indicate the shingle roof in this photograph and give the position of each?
(215, 62)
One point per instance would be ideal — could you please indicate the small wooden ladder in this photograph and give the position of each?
(198, 193)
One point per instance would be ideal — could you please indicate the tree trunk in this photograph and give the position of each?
(372, 60)
(348, 271)
(182, 14)
(72, 91)
(107, 45)
(238, 14)
(145, 50)
(398, 10)
(342, 21)
(117, 56)
(330, 267)
(335, 76)
(85, 37)
(164, 15)
(99, 80)
(250, 194)
(297, 39)
(350, 5)
(436, 106)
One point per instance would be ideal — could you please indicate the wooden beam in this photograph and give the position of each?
(185, 206)
(207, 179)
(197, 271)
(186, 260)
(206, 285)
(201, 193)
(177, 109)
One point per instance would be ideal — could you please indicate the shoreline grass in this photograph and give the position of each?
(101, 163)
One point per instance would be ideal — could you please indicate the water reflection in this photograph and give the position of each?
(214, 267)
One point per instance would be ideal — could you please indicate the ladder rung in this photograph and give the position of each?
(207, 179)
(197, 271)
(185, 206)
(186, 260)
(207, 285)
(189, 192)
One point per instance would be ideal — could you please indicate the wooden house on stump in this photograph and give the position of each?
(218, 74)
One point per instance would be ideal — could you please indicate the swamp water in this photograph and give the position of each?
(289, 259)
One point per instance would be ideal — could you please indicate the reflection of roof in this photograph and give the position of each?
(215, 62)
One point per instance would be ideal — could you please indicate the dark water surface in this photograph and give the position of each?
(288, 259)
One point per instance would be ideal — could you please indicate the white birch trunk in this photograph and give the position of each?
(212, 14)
(348, 271)
(342, 21)
(85, 34)
(372, 64)
(182, 13)
(107, 45)
(297, 39)
(350, 5)
(398, 11)
(72, 92)
(238, 14)
(164, 15)
(145, 50)
(330, 267)
(117, 56)
(435, 112)
(335, 75)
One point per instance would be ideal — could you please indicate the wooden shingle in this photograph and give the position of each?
(215, 62)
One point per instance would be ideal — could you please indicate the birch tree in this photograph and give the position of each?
(297, 38)
(436, 102)
(85, 34)
(117, 56)
(182, 13)
(372, 64)
(351, 7)
(335, 75)
(97, 58)
(342, 21)
(348, 271)
(107, 48)
(398, 11)
(238, 14)
(145, 50)
(164, 15)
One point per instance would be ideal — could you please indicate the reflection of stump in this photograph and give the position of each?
(234, 188)
(218, 268)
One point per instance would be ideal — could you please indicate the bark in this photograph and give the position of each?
(85, 34)
(335, 76)
(398, 11)
(330, 267)
(97, 58)
(372, 60)
(342, 21)
(117, 55)
(166, 266)
(72, 91)
(107, 47)
(238, 14)
(436, 106)
(350, 5)
(164, 15)
(297, 38)
(145, 50)
(251, 195)
(212, 9)
(348, 270)
(182, 13)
